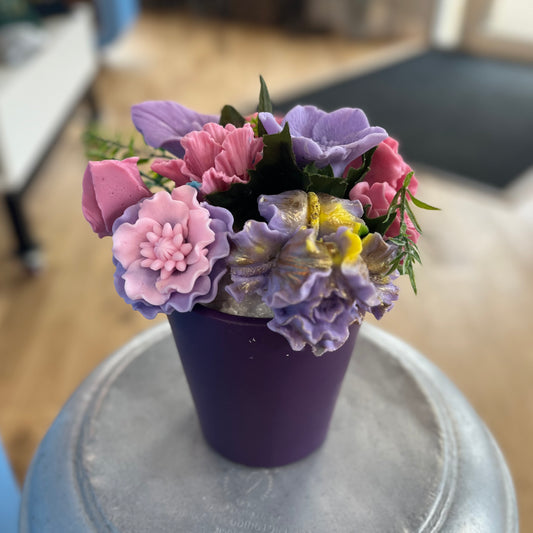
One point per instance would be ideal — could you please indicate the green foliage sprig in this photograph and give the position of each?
(98, 148)
(407, 251)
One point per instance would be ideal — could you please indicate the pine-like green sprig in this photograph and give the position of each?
(98, 148)
(407, 251)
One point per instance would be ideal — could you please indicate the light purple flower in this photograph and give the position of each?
(254, 252)
(322, 138)
(289, 211)
(309, 268)
(257, 247)
(322, 322)
(378, 255)
(169, 252)
(164, 123)
(320, 304)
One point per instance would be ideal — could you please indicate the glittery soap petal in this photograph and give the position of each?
(337, 212)
(285, 212)
(377, 254)
(255, 244)
(253, 252)
(300, 263)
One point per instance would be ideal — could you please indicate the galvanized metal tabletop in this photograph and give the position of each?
(405, 453)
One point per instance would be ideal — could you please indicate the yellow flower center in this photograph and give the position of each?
(355, 246)
(313, 210)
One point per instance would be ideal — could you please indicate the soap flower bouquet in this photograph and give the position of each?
(305, 219)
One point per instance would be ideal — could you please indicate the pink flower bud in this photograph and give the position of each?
(109, 187)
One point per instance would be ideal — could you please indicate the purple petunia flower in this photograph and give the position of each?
(322, 138)
(164, 123)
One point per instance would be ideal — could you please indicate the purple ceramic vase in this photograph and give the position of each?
(259, 403)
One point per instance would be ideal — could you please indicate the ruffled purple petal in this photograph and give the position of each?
(302, 120)
(164, 123)
(270, 123)
(341, 126)
(324, 323)
(301, 263)
(285, 212)
(322, 138)
(254, 250)
(378, 255)
(308, 151)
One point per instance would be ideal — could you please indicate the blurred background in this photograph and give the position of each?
(452, 80)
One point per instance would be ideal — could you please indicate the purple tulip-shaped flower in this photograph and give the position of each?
(322, 138)
(164, 123)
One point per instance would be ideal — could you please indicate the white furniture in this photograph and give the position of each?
(36, 98)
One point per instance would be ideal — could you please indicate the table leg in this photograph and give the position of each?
(28, 250)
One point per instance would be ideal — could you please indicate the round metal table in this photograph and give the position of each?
(405, 453)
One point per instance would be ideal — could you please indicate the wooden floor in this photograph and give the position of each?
(472, 316)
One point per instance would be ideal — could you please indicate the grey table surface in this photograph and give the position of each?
(405, 453)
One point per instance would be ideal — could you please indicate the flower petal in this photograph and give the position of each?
(164, 123)
(140, 284)
(173, 169)
(127, 240)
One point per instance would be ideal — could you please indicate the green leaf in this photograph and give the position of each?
(411, 274)
(311, 168)
(411, 215)
(379, 224)
(422, 205)
(326, 184)
(324, 180)
(355, 175)
(407, 179)
(265, 104)
(277, 172)
(261, 131)
(229, 115)
(416, 254)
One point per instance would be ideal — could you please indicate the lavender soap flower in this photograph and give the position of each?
(306, 263)
(166, 251)
(322, 138)
(306, 219)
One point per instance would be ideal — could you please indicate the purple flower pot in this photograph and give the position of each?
(259, 403)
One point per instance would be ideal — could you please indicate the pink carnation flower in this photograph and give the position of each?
(167, 250)
(379, 196)
(215, 157)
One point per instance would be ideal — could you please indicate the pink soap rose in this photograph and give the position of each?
(215, 157)
(379, 196)
(169, 251)
(387, 166)
(109, 187)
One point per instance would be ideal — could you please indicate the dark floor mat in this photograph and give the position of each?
(467, 115)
